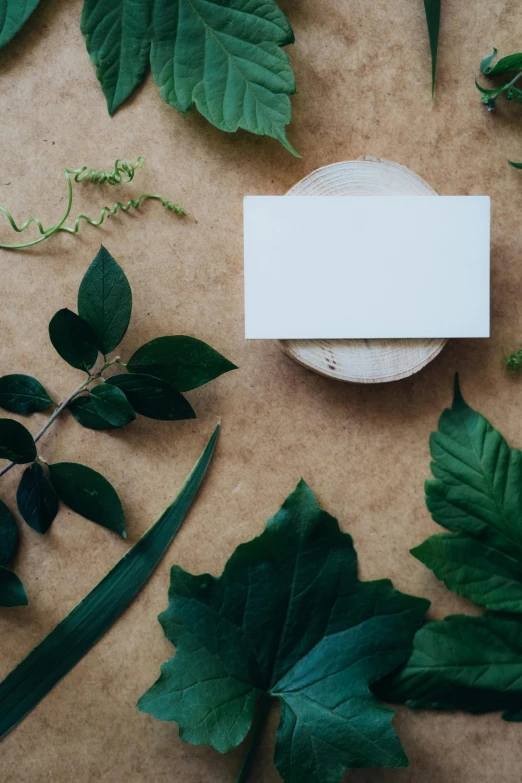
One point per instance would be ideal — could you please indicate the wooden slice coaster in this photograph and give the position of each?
(363, 361)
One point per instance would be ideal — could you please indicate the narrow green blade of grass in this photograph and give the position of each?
(74, 636)
(432, 9)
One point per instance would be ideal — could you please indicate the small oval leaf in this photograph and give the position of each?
(184, 362)
(16, 442)
(73, 339)
(36, 499)
(23, 394)
(83, 411)
(12, 591)
(153, 397)
(105, 301)
(8, 535)
(89, 494)
(111, 404)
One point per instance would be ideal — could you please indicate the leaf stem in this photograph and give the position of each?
(64, 405)
(262, 709)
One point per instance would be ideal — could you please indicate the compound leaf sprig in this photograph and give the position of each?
(123, 171)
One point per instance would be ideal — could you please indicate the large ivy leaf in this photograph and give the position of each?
(117, 38)
(477, 494)
(288, 618)
(23, 394)
(105, 299)
(13, 15)
(183, 362)
(224, 56)
(88, 493)
(463, 663)
(36, 499)
(8, 535)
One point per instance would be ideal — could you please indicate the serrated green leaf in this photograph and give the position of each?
(105, 296)
(153, 397)
(23, 394)
(73, 339)
(509, 64)
(184, 362)
(111, 404)
(12, 591)
(8, 535)
(224, 57)
(16, 442)
(83, 411)
(36, 499)
(89, 494)
(117, 36)
(476, 494)
(74, 636)
(288, 618)
(462, 663)
(432, 10)
(13, 15)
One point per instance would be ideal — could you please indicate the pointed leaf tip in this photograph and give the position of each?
(458, 399)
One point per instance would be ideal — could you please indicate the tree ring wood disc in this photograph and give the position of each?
(363, 361)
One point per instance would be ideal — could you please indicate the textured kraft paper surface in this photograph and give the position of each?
(363, 76)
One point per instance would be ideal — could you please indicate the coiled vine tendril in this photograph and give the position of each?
(123, 172)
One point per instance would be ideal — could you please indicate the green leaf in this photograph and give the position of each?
(153, 397)
(111, 404)
(36, 499)
(13, 15)
(12, 591)
(23, 394)
(432, 10)
(184, 362)
(16, 442)
(476, 494)
(83, 411)
(515, 166)
(74, 339)
(117, 38)
(104, 296)
(224, 56)
(89, 494)
(288, 618)
(463, 663)
(8, 535)
(74, 636)
(509, 64)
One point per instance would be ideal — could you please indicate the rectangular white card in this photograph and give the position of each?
(366, 266)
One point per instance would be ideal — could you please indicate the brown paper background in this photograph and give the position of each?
(363, 77)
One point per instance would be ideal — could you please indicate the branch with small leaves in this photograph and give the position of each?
(150, 384)
(504, 67)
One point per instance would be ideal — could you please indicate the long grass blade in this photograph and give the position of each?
(74, 636)
(432, 9)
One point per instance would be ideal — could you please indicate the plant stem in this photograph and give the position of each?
(63, 405)
(262, 709)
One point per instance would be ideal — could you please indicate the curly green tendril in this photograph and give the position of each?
(123, 172)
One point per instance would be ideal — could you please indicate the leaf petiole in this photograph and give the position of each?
(258, 725)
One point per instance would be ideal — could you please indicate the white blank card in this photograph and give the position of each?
(366, 266)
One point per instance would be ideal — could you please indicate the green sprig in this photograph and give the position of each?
(123, 172)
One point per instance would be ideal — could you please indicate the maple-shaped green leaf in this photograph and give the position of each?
(289, 619)
(13, 15)
(117, 38)
(224, 57)
(463, 663)
(476, 494)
